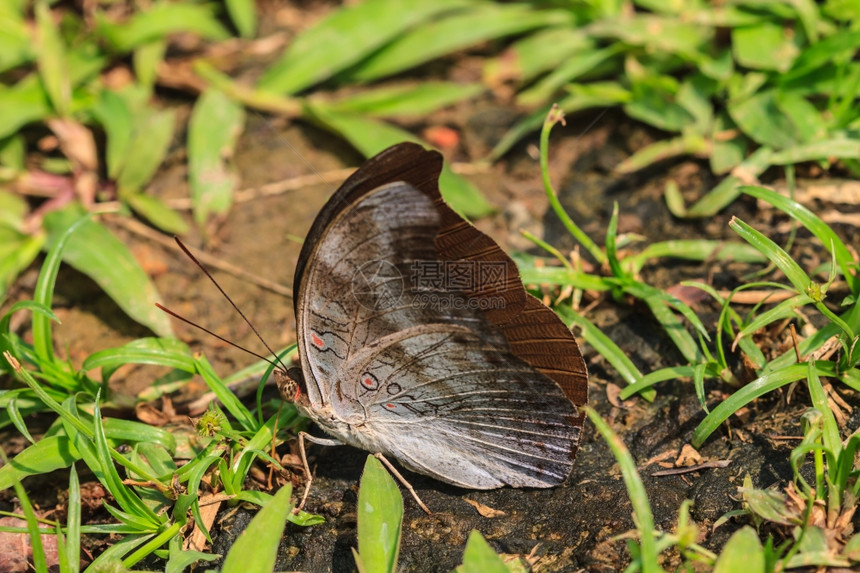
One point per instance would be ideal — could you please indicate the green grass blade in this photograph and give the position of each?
(169, 352)
(642, 516)
(110, 559)
(482, 22)
(652, 378)
(816, 226)
(46, 455)
(225, 395)
(73, 522)
(111, 266)
(51, 56)
(774, 253)
(124, 496)
(479, 557)
(256, 548)
(758, 387)
(605, 347)
(742, 552)
(832, 438)
(40, 563)
(407, 100)
(160, 21)
(344, 38)
(783, 310)
(243, 14)
(213, 131)
(44, 292)
(694, 250)
(380, 516)
(661, 305)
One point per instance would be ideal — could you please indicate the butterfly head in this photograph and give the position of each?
(290, 384)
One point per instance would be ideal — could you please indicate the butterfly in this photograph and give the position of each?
(417, 340)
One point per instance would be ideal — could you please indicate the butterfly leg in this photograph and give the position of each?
(402, 480)
(309, 478)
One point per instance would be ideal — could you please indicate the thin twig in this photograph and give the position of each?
(690, 469)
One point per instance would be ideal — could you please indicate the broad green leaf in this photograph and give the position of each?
(840, 47)
(742, 552)
(371, 136)
(762, 120)
(156, 212)
(46, 455)
(16, 42)
(658, 34)
(839, 146)
(689, 143)
(161, 20)
(765, 46)
(576, 65)
(147, 58)
(380, 516)
(256, 548)
(726, 153)
(29, 100)
(344, 38)
(213, 130)
(694, 95)
(51, 55)
(13, 152)
(113, 111)
(582, 96)
(808, 123)
(479, 557)
(96, 252)
(168, 352)
(814, 551)
(154, 457)
(404, 100)
(17, 251)
(539, 52)
(118, 430)
(441, 36)
(151, 134)
(653, 101)
(243, 13)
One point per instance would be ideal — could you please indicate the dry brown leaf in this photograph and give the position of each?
(485, 510)
(688, 457)
(209, 506)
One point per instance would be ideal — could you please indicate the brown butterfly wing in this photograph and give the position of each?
(513, 419)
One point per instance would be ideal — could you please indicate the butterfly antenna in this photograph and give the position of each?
(233, 304)
(210, 333)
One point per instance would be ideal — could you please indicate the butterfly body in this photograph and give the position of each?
(417, 339)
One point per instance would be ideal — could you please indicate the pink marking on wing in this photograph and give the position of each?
(368, 382)
(317, 340)
(390, 406)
